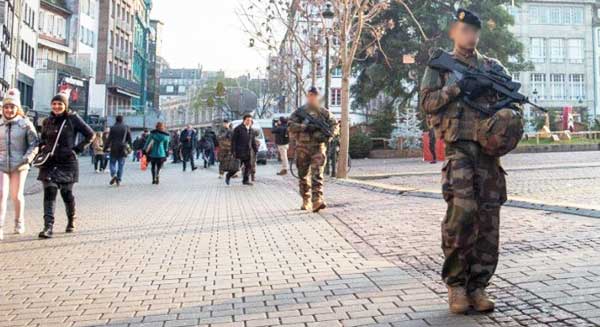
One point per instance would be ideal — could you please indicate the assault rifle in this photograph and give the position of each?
(502, 83)
(319, 124)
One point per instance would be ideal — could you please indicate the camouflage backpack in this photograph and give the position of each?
(501, 133)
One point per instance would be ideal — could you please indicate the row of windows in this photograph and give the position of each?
(179, 81)
(27, 53)
(180, 89)
(555, 15)
(119, 70)
(121, 12)
(558, 86)
(120, 42)
(556, 50)
(88, 7)
(29, 16)
(87, 36)
(53, 25)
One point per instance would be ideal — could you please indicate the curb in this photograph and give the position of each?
(514, 202)
(370, 177)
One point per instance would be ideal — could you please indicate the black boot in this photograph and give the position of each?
(48, 219)
(71, 216)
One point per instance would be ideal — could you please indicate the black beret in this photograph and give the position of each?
(314, 90)
(467, 17)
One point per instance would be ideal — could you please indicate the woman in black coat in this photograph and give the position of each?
(61, 170)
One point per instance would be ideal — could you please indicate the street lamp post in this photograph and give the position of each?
(328, 16)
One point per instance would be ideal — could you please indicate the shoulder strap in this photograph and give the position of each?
(62, 126)
(125, 134)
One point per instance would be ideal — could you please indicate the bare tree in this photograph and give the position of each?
(293, 29)
(353, 19)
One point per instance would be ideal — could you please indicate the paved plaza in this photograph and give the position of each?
(194, 252)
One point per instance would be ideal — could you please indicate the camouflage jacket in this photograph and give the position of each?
(297, 127)
(451, 118)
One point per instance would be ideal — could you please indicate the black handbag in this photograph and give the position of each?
(43, 156)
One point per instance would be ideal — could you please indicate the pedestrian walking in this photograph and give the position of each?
(188, 140)
(119, 145)
(138, 145)
(175, 147)
(311, 145)
(243, 145)
(225, 156)
(206, 147)
(99, 155)
(212, 136)
(473, 182)
(106, 154)
(18, 147)
(282, 140)
(61, 170)
(157, 149)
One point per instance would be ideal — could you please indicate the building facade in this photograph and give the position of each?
(27, 48)
(154, 67)
(7, 45)
(114, 69)
(142, 32)
(559, 40)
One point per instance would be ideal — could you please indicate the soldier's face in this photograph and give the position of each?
(313, 100)
(465, 36)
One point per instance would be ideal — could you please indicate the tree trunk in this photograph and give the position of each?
(345, 124)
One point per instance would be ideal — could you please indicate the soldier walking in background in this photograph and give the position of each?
(225, 147)
(311, 146)
(473, 182)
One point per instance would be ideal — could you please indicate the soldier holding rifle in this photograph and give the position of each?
(312, 126)
(475, 108)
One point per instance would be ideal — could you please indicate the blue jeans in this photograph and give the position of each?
(116, 167)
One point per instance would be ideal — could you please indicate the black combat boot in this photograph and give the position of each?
(71, 217)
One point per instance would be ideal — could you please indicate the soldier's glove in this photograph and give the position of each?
(473, 87)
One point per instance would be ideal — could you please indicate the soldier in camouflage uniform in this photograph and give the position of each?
(473, 182)
(311, 145)
(225, 147)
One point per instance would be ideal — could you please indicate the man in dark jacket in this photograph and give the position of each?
(282, 139)
(243, 147)
(119, 140)
(187, 138)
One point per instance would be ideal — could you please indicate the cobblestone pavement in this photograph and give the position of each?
(570, 178)
(193, 252)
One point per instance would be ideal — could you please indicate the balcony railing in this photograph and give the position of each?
(123, 84)
(53, 65)
(120, 54)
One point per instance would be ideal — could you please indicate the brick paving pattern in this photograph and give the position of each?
(193, 252)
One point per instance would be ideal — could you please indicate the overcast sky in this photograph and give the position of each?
(207, 33)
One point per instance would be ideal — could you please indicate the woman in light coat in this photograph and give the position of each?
(18, 147)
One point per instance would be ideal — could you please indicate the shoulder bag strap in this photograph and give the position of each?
(62, 126)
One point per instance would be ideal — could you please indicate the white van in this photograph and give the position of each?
(261, 156)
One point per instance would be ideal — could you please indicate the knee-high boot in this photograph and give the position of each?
(49, 206)
(71, 216)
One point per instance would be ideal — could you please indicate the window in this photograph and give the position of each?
(181, 89)
(336, 97)
(576, 87)
(538, 84)
(555, 15)
(575, 51)
(557, 50)
(336, 72)
(557, 86)
(170, 89)
(516, 76)
(538, 50)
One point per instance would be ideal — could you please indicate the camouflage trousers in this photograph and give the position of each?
(474, 187)
(310, 158)
(225, 159)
